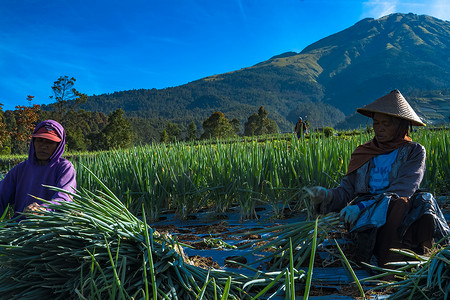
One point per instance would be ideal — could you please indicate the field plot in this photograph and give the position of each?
(228, 243)
(188, 177)
(224, 241)
(226, 220)
(94, 248)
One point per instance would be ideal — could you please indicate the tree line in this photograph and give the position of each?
(94, 131)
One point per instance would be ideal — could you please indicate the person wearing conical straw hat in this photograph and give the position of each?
(379, 198)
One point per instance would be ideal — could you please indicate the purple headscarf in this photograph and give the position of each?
(61, 146)
(26, 179)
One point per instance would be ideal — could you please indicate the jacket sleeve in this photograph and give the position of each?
(410, 173)
(343, 194)
(404, 184)
(66, 180)
(7, 190)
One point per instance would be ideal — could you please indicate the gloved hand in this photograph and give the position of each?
(319, 197)
(349, 214)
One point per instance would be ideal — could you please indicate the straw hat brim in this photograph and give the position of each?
(369, 113)
(392, 104)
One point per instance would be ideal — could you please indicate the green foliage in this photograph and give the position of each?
(94, 248)
(424, 277)
(5, 150)
(164, 137)
(236, 125)
(4, 134)
(147, 130)
(173, 131)
(192, 132)
(328, 131)
(25, 119)
(66, 96)
(9, 120)
(217, 126)
(271, 169)
(354, 120)
(75, 140)
(187, 177)
(116, 134)
(328, 79)
(82, 128)
(260, 124)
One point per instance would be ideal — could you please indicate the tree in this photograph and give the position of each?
(30, 99)
(82, 127)
(236, 125)
(259, 124)
(67, 100)
(66, 96)
(192, 132)
(76, 140)
(4, 134)
(116, 134)
(26, 118)
(164, 137)
(217, 126)
(173, 131)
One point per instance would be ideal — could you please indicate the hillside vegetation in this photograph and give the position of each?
(324, 83)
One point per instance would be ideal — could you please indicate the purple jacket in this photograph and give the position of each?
(26, 179)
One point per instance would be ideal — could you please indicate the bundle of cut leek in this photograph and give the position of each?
(300, 234)
(428, 277)
(94, 248)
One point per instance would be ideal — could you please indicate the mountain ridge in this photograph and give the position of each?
(337, 74)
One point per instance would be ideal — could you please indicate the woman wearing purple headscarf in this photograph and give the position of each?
(44, 166)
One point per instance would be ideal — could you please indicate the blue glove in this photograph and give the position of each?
(350, 213)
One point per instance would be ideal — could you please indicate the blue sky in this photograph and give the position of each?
(117, 45)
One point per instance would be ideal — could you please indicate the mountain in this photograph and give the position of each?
(325, 82)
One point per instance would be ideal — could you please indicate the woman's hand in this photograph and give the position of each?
(349, 214)
(320, 197)
(33, 208)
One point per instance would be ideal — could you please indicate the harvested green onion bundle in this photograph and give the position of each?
(427, 278)
(300, 234)
(94, 248)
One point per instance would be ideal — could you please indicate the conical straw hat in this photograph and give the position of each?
(393, 104)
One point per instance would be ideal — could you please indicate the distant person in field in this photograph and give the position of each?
(300, 128)
(44, 166)
(379, 198)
